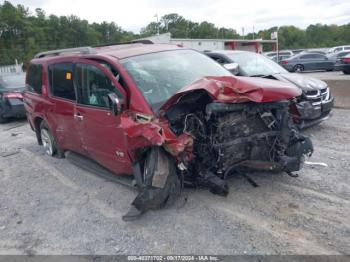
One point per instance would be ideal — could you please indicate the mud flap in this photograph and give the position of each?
(161, 184)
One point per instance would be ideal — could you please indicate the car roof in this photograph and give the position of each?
(119, 51)
(129, 50)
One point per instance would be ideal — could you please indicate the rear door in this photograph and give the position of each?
(61, 113)
(307, 61)
(103, 139)
(322, 62)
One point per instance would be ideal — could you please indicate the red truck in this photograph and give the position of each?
(164, 115)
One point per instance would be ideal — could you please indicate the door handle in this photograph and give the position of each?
(78, 117)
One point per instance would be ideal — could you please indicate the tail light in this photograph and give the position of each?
(346, 60)
(12, 95)
(284, 62)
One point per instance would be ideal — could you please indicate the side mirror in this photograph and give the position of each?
(115, 103)
(232, 67)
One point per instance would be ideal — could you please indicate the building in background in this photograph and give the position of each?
(256, 45)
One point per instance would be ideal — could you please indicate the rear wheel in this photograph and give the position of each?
(347, 72)
(298, 68)
(48, 141)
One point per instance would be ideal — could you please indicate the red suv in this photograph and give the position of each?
(164, 115)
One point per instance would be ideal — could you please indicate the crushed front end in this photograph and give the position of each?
(215, 128)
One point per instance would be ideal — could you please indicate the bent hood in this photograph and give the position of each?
(306, 83)
(236, 89)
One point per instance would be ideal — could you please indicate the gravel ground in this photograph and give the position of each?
(49, 206)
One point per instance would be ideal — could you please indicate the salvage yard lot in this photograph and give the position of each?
(49, 206)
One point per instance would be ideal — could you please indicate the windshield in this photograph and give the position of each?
(12, 81)
(252, 64)
(161, 75)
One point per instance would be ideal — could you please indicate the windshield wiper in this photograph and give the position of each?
(261, 75)
(258, 75)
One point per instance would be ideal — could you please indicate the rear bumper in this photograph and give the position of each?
(12, 108)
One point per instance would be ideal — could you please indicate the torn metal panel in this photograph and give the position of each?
(154, 132)
(238, 90)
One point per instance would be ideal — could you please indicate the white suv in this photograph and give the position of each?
(337, 49)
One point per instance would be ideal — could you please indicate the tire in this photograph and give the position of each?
(49, 142)
(298, 68)
(151, 197)
(346, 72)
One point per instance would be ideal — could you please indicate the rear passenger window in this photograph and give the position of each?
(308, 56)
(338, 49)
(34, 78)
(61, 80)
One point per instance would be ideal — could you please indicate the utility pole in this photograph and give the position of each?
(243, 32)
(277, 47)
(156, 15)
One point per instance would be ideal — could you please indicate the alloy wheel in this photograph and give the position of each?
(299, 68)
(47, 141)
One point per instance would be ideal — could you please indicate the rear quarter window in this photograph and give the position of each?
(34, 79)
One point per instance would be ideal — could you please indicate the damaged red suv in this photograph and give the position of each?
(163, 115)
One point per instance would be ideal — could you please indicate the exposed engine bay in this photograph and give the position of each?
(237, 137)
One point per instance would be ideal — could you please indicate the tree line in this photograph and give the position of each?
(23, 34)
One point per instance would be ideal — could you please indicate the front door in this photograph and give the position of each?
(102, 138)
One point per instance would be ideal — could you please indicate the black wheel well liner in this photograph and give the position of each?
(37, 122)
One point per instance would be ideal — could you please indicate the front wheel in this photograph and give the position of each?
(161, 184)
(298, 68)
(346, 72)
(49, 142)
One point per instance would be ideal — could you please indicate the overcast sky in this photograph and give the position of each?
(132, 15)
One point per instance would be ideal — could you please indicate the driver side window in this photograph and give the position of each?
(93, 86)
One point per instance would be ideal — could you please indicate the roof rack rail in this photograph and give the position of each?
(126, 43)
(81, 50)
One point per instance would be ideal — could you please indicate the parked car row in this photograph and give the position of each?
(308, 60)
(313, 105)
(164, 116)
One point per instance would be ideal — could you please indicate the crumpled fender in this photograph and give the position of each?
(236, 89)
(153, 132)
